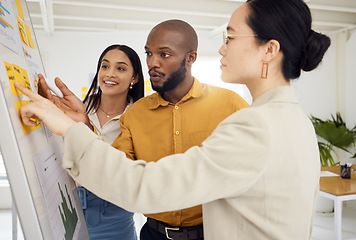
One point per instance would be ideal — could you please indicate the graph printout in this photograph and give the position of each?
(57, 189)
(9, 31)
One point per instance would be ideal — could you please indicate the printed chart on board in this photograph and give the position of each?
(56, 189)
(8, 27)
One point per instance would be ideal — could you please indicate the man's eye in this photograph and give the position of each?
(165, 55)
(148, 53)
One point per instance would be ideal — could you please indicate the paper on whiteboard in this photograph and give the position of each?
(57, 189)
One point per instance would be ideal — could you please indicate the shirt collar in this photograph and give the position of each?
(277, 94)
(195, 91)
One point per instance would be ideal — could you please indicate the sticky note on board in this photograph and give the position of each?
(84, 92)
(25, 129)
(35, 82)
(25, 79)
(22, 30)
(19, 9)
(11, 75)
(29, 37)
(38, 123)
(18, 76)
(148, 89)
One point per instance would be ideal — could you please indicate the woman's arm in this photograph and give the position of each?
(43, 109)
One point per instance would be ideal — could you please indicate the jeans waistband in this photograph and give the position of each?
(88, 198)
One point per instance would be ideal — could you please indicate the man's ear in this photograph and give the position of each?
(191, 58)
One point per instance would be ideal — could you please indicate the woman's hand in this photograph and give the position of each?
(44, 110)
(70, 104)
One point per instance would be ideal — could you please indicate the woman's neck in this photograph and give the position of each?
(263, 85)
(113, 104)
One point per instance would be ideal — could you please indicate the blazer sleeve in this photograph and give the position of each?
(227, 164)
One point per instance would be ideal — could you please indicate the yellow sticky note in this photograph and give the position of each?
(25, 129)
(22, 30)
(12, 79)
(19, 9)
(84, 89)
(35, 82)
(29, 128)
(148, 89)
(29, 37)
(84, 95)
(25, 79)
(18, 76)
(38, 124)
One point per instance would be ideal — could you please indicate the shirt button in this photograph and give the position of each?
(177, 132)
(176, 107)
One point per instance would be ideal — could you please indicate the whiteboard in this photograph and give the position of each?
(45, 196)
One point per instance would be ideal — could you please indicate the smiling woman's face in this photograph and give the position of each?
(115, 73)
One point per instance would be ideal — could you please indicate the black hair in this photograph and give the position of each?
(93, 98)
(289, 22)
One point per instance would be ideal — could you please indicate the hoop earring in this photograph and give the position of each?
(131, 85)
(264, 71)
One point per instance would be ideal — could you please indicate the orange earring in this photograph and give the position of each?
(264, 71)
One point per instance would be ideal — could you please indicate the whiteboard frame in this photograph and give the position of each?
(19, 186)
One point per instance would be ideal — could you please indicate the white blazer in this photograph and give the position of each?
(257, 175)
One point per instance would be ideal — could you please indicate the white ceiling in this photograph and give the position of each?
(117, 15)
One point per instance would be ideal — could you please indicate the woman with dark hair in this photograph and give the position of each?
(118, 82)
(257, 175)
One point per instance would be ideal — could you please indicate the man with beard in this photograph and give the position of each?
(182, 113)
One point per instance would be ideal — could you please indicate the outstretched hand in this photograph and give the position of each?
(70, 104)
(44, 110)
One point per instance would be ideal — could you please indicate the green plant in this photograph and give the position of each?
(335, 135)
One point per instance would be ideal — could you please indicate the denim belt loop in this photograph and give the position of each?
(82, 192)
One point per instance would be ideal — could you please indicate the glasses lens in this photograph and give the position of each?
(224, 39)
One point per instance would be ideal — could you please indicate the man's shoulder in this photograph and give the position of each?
(224, 95)
(211, 90)
(142, 104)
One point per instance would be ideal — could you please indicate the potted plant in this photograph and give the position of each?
(334, 134)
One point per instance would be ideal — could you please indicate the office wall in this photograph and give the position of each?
(73, 57)
(350, 93)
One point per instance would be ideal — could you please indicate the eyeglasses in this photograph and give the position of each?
(226, 37)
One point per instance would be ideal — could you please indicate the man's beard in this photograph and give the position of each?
(174, 79)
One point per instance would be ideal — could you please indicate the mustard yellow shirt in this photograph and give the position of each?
(153, 128)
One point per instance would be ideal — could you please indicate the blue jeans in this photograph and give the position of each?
(104, 219)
